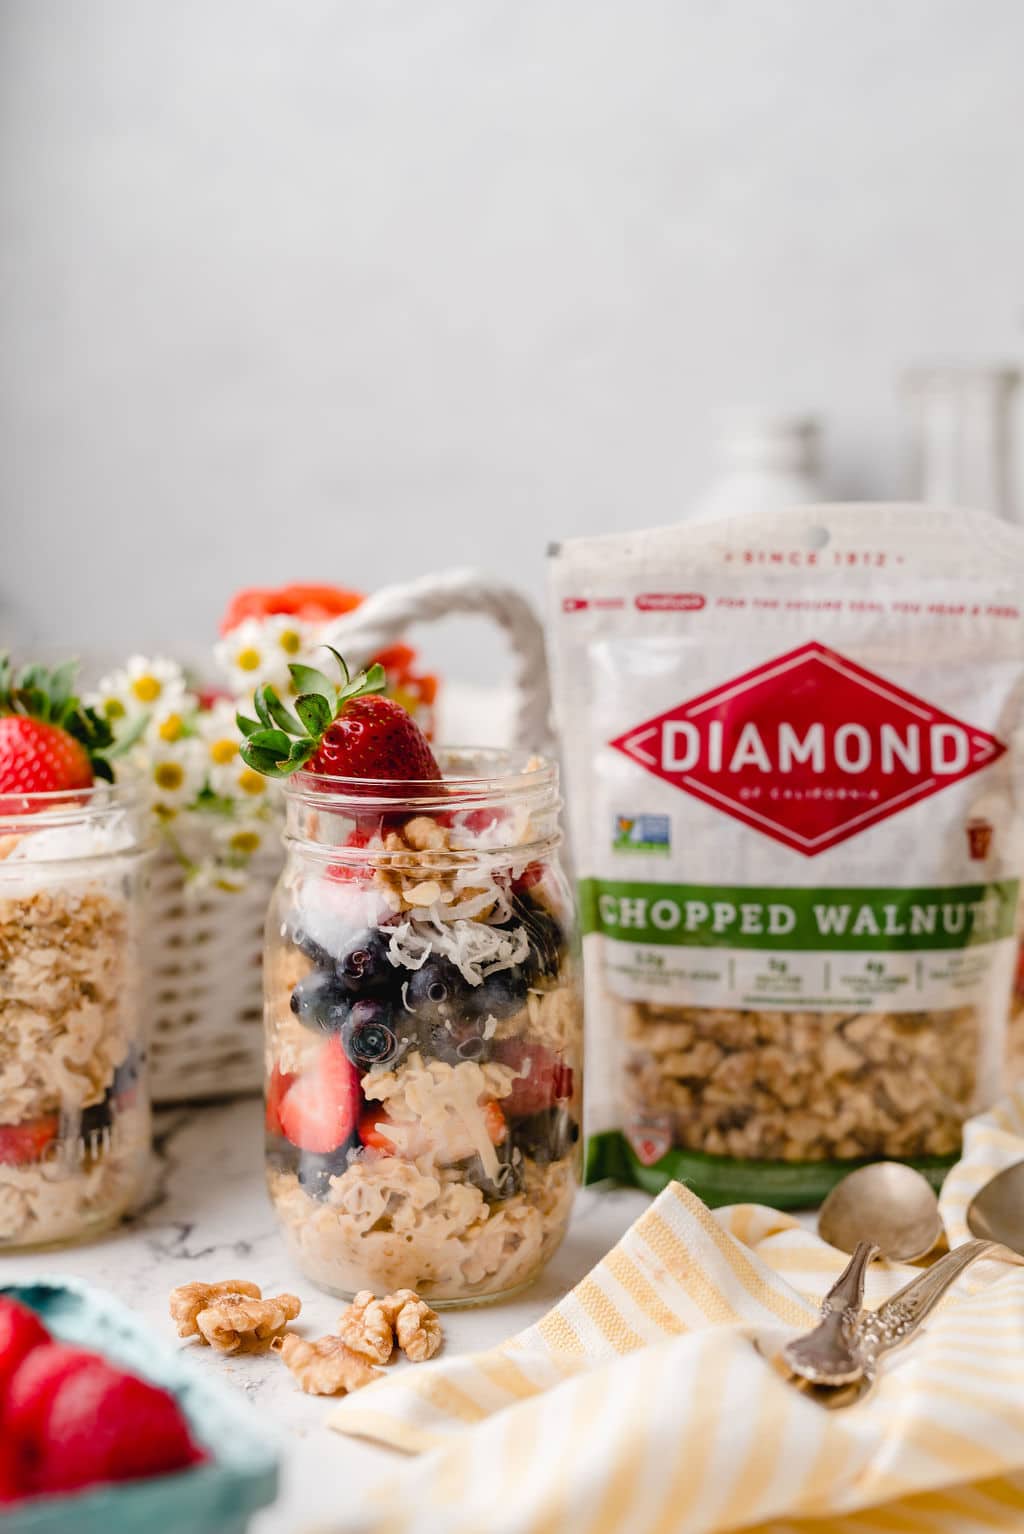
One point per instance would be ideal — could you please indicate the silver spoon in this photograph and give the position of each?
(996, 1212)
(831, 1354)
(887, 1203)
(893, 1324)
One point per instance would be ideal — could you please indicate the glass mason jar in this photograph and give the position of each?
(74, 1110)
(424, 1030)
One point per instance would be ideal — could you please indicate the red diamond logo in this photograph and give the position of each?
(809, 748)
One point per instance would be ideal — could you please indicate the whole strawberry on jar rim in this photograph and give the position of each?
(74, 1115)
(423, 1011)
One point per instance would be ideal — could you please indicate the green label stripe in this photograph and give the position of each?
(719, 1180)
(865, 920)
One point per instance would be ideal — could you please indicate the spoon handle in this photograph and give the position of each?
(895, 1322)
(830, 1354)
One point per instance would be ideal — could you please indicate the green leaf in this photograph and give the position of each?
(273, 711)
(367, 682)
(300, 754)
(274, 741)
(308, 679)
(214, 804)
(97, 728)
(61, 688)
(131, 736)
(260, 759)
(30, 701)
(33, 679)
(259, 703)
(342, 662)
(245, 725)
(101, 768)
(315, 713)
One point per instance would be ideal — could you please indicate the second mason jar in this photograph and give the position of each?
(74, 1107)
(424, 1030)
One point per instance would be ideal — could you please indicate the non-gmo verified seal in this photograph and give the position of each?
(642, 833)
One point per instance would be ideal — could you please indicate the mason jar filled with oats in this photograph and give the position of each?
(74, 1111)
(424, 1029)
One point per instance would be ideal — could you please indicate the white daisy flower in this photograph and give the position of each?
(242, 837)
(148, 684)
(221, 739)
(173, 721)
(111, 699)
(211, 875)
(251, 656)
(176, 771)
(290, 638)
(244, 784)
(153, 690)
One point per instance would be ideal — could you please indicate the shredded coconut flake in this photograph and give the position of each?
(476, 949)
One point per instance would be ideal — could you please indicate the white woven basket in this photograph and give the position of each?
(204, 950)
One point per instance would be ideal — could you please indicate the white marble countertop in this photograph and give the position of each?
(207, 1216)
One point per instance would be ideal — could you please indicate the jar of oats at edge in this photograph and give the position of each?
(424, 1030)
(74, 1111)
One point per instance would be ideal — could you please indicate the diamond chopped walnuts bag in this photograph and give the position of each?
(792, 747)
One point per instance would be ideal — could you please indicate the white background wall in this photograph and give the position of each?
(354, 289)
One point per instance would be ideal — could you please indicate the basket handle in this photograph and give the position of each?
(383, 618)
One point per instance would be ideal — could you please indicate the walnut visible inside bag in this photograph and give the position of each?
(804, 1086)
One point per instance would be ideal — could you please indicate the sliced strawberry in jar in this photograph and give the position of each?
(495, 1121)
(348, 873)
(373, 1131)
(277, 1089)
(532, 874)
(542, 1077)
(21, 1144)
(320, 1110)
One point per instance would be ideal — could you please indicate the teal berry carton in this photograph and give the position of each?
(219, 1497)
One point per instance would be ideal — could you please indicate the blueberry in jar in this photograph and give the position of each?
(454, 1041)
(363, 968)
(436, 991)
(507, 1181)
(544, 934)
(547, 1136)
(319, 1001)
(310, 947)
(369, 1035)
(316, 1170)
(500, 995)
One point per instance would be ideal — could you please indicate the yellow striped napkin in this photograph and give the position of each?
(640, 1405)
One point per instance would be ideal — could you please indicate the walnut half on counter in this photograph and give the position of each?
(231, 1316)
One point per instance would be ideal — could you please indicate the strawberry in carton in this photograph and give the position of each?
(70, 1419)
